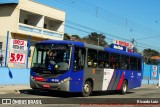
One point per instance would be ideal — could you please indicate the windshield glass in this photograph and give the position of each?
(52, 57)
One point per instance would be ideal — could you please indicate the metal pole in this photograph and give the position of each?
(5, 64)
(28, 50)
(98, 41)
(159, 75)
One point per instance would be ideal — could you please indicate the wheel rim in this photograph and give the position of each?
(86, 88)
(124, 88)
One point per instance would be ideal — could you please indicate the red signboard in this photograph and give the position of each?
(17, 58)
(122, 43)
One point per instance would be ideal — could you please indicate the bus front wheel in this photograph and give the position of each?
(87, 89)
(124, 87)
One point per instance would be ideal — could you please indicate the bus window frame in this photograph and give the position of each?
(116, 62)
(94, 66)
(81, 68)
(106, 62)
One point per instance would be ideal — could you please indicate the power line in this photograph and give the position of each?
(106, 15)
(87, 30)
(148, 37)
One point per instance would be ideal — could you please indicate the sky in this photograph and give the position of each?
(116, 19)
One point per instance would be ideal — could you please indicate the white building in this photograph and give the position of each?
(29, 18)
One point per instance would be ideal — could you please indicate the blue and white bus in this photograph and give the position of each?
(73, 66)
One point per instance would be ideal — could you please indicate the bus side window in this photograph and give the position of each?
(133, 63)
(114, 61)
(103, 59)
(79, 58)
(124, 62)
(139, 64)
(92, 58)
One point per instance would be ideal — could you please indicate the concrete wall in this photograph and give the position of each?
(14, 76)
(11, 76)
(148, 77)
(41, 9)
(8, 21)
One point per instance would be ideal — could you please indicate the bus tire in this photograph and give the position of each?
(124, 87)
(87, 89)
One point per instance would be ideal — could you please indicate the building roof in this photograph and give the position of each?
(155, 57)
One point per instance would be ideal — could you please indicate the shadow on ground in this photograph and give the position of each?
(67, 94)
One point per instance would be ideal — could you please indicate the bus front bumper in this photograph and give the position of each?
(49, 86)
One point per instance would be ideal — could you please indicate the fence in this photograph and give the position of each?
(14, 76)
(151, 74)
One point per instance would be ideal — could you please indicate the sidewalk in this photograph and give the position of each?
(13, 89)
(149, 86)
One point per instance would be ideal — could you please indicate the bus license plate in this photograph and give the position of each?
(46, 86)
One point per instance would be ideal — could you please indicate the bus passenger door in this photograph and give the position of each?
(78, 69)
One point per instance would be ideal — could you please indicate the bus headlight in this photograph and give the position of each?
(65, 80)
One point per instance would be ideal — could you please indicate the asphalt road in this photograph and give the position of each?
(148, 95)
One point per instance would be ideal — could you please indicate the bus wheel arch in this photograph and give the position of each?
(124, 87)
(87, 88)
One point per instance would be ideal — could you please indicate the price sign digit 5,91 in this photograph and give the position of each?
(17, 58)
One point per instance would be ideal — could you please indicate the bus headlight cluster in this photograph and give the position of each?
(65, 80)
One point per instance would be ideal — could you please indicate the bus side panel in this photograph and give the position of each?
(128, 75)
(139, 78)
(108, 79)
(115, 80)
(76, 82)
(96, 76)
(136, 78)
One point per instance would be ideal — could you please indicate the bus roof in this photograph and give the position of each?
(81, 44)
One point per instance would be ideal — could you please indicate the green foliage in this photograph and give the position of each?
(96, 39)
(147, 54)
(76, 36)
(66, 36)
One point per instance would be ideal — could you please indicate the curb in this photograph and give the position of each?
(16, 89)
(10, 92)
(13, 89)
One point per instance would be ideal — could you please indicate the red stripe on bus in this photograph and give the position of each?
(120, 82)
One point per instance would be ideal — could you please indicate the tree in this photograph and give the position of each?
(96, 39)
(76, 36)
(66, 36)
(147, 54)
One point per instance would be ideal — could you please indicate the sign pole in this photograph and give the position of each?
(6, 49)
(159, 75)
(28, 51)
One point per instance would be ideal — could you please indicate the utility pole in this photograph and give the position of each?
(98, 41)
(133, 41)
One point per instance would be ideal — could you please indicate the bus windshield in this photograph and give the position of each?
(52, 57)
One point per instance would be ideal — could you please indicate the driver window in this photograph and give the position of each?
(79, 58)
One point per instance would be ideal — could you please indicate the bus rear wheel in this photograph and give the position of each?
(124, 87)
(87, 89)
